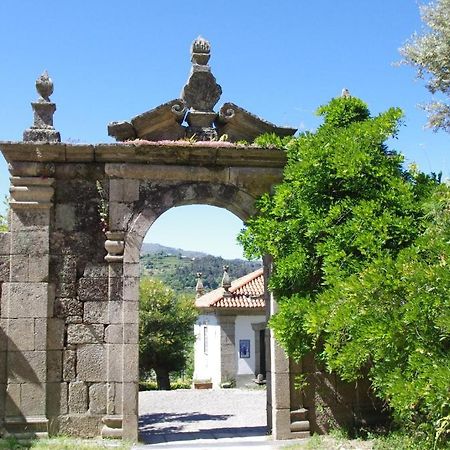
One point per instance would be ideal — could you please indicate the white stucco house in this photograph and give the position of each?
(230, 331)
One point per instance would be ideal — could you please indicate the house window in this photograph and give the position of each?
(205, 340)
(244, 348)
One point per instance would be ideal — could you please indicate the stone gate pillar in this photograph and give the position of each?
(26, 323)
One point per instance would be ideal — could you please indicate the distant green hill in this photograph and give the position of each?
(178, 268)
(152, 248)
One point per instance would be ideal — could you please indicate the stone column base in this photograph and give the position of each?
(26, 427)
(112, 427)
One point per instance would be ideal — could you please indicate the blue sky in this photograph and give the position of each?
(111, 60)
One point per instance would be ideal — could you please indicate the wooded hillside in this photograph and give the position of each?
(177, 269)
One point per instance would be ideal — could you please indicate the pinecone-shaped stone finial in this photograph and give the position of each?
(226, 281)
(345, 93)
(199, 289)
(44, 86)
(42, 129)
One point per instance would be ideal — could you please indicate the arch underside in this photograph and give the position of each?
(154, 199)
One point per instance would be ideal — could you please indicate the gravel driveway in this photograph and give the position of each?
(188, 414)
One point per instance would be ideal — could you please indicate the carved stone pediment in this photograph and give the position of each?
(239, 124)
(192, 115)
(160, 123)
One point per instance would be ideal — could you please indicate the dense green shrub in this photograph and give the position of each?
(360, 249)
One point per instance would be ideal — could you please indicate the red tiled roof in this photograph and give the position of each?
(246, 292)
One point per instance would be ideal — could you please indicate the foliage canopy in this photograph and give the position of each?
(360, 247)
(429, 53)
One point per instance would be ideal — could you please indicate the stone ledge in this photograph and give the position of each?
(212, 153)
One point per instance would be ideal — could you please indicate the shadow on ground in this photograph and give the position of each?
(159, 428)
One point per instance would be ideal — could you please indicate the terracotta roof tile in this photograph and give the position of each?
(246, 292)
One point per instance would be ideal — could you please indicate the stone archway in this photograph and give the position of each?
(69, 312)
(69, 309)
(147, 192)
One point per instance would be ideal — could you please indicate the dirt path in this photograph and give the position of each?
(168, 416)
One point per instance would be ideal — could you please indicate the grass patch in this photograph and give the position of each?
(151, 385)
(62, 443)
(391, 441)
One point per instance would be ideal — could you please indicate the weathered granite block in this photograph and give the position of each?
(21, 334)
(96, 270)
(65, 218)
(74, 319)
(85, 426)
(123, 190)
(27, 366)
(115, 270)
(281, 423)
(22, 300)
(3, 336)
(132, 270)
(78, 397)
(87, 246)
(32, 399)
(57, 394)
(4, 268)
(85, 334)
(54, 365)
(118, 333)
(115, 362)
(131, 362)
(115, 311)
(3, 372)
(33, 268)
(30, 242)
(73, 179)
(5, 243)
(97, 398)
(130, 312)
(115, 293)
(130, 396)
(29, 219)
(95, 312)
(2, 399)
(69, 365)
(114, 334)
(12, 401)
(119, 215)
(91, 362)
(132, 250)
(113, 397)
(65, 307)
(281, 392)
(63, 269)
(93, 289)
(131, 333)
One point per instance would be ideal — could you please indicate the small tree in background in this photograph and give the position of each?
(4, 218)
(166, 332)
(429, 53)
(3, 223)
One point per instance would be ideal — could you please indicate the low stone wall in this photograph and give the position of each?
(331, 402)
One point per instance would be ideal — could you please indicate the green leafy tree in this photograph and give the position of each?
(341, 227)
(166, 332)
(3, 218)
(393, 318)
(429, 53)
(3, 223)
